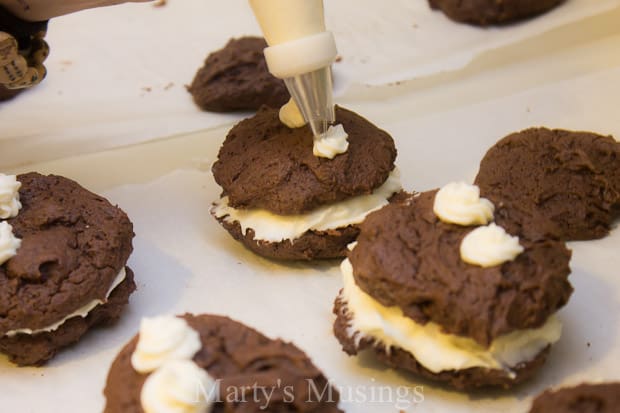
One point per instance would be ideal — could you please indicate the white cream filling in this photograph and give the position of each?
(271, 227)
(291, 116)
(80, 312)
(435, 350)
(333, 143)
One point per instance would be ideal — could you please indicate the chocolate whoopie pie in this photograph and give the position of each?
(570, 180)
(68, 273)
(488, 12)
(271, 178)
(411, 298)
(585, 398)
(247, 372)
(236, 78)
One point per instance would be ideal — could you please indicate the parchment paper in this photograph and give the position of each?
(184, 261)
(117, 76)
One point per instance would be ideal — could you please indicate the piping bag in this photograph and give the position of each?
(300, 52)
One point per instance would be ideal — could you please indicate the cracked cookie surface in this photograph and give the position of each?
(570, 180)
(265, 164)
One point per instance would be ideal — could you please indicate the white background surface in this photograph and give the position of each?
(442, 125)
(117, 75)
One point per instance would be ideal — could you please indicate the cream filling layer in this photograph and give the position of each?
(435, 350)
(80, 312)
(271, 227)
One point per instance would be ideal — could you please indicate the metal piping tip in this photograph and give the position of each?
(312, 93)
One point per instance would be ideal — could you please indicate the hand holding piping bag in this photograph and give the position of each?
(23, 24)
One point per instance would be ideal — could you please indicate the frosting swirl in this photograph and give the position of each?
(179, 386)
(9, 196)
(163, 339)
(8, 242)
(333, 143)
(489, 246)
(460, 203)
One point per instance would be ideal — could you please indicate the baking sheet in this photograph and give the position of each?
(117, 76)
(184, 261)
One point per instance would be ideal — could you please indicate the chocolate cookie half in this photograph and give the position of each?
(571, 180)
(585, 398)
(66, 272)
(413, 295)
(235, 369)
(282, 201)
(488, 12)
(236, 78)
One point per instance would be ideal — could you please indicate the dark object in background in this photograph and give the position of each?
(490, 12)
(585, 398)
(236, 78)
(8, 94)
